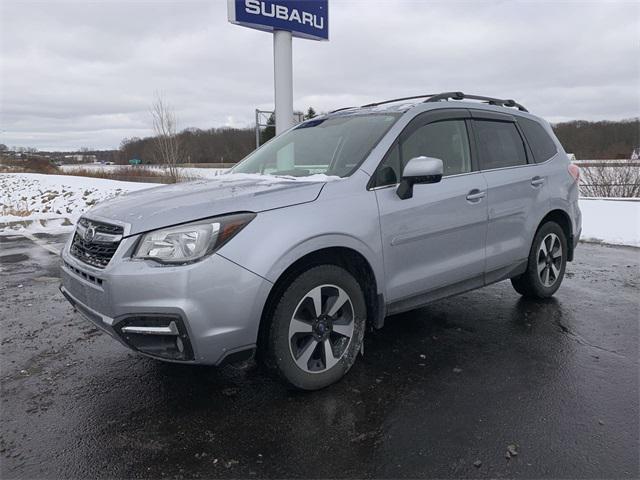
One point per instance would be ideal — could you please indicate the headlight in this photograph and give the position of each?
(190, 242)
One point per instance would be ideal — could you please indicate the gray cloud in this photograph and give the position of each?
(78, 73)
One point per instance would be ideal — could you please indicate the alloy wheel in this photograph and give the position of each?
(321, 328)
(549, 260)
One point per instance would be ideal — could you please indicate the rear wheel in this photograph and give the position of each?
(317, 328)
(546, 264)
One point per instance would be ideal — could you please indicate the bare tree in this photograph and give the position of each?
(166, 138)
(616, 181)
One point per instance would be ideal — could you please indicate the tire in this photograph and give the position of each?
(337, 331)
(545, 269)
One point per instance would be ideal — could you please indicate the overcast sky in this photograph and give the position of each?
(84, 73)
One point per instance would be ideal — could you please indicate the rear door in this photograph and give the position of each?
(514, 191)
(435, 239)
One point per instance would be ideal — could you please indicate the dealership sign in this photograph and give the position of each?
(284, 19)
(303, 18)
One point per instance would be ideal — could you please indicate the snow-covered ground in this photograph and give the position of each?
(615, 221)
(38, 201)
(55, 201)
(186, 171)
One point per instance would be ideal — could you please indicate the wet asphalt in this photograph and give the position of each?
(444, 391)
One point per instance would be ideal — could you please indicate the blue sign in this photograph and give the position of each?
(303, 18)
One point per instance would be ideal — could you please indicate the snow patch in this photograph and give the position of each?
(52, 202)
(614, 221)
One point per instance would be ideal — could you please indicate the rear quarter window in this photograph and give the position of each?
(540, 142)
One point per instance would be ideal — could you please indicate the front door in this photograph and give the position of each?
(436, 238)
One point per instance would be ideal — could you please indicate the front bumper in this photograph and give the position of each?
(218, 303)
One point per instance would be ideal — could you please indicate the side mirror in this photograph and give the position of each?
(419, 170)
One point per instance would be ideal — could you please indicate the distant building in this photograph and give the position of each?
(80, 158)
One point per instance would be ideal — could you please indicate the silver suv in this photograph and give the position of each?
(326, 230)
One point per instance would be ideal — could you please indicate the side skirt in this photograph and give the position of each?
(423, 299)
(504, 273)
(474, 283)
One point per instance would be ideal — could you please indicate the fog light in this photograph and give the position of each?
(163, 336)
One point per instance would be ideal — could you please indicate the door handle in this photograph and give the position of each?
(475, 195)
(537, 181)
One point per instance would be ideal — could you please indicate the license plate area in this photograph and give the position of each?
(85, 292)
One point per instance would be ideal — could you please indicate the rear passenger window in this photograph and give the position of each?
(499, 144)
(541, 144)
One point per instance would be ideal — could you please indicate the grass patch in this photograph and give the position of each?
(28, 165)
(125, 174)
(15, 211)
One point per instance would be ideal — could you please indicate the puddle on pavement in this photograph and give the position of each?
(14, 258)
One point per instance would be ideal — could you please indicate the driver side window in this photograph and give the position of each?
(447, 140)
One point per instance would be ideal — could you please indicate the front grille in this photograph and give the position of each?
(98, 247)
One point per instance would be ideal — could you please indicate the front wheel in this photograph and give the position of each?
(546, 264)
(317, 328)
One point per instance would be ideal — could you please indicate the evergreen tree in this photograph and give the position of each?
(311, 113)
(269, 132)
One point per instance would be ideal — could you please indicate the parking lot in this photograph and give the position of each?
(481, 385)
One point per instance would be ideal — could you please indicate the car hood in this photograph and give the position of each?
(158, 207)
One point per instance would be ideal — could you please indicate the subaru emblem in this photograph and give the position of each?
(89, 234)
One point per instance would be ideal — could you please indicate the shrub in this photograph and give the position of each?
(126, 174)
(29, 165)
(619, 181)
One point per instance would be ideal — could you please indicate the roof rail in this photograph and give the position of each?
(384, 102)
(436, 97)
(461, 96)
(396, 100)
(341, 109)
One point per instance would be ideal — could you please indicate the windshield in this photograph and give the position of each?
(330, 146)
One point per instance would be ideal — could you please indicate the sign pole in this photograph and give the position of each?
(284, 19)
(283, 79)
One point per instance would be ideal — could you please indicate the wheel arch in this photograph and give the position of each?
(562, 218)
(348, 258)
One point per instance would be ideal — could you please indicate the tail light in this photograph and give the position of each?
(574, 171)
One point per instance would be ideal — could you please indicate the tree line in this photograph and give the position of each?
(215, 145)
(585, 139)
(599, 140)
